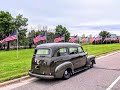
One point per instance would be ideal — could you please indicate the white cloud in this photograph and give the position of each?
(87, 32)
(69, 13)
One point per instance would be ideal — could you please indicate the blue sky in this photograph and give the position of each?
(79, 16)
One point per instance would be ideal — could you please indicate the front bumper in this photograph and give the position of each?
(41, 76)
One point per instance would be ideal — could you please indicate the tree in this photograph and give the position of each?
(90, 36)
(83, 35)
(50, 37)
(62, 30)
(31, 36)
(104, 34)
(9, 24)
(20, 25)
(6, 24)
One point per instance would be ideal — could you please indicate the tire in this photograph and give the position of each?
(67, 74)
(91, 64)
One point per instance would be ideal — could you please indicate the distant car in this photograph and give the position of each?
(59, 60)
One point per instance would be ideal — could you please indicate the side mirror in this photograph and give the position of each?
(86, 53)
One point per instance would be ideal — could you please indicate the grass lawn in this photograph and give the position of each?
(101, 49)
(11, 67)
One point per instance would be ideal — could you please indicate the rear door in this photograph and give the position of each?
(82, 57)
(60, 56)
(74, 56)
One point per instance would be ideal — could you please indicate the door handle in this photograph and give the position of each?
(81, 55)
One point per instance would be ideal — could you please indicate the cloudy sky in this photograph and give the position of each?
(79, 16)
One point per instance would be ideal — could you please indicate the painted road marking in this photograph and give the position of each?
(111, 86)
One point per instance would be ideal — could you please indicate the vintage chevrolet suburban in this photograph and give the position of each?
(59, 60)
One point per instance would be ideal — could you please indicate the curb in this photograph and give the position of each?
(14, 81)
(108, 54)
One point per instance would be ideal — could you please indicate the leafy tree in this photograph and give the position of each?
(90, 36)
(9, 24)
(33, 34)
(20, 25)
(83, 35)
(50, 36)
(62, 30)
(6, 25)
(104, 34)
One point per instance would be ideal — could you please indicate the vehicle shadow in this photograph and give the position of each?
(80, 72)
(56, 81)
(48, 82)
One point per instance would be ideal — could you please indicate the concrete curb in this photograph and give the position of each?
(14, 81)
(28, 77)
(108, 54)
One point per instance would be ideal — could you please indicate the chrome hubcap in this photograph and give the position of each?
(90, 63)
(66, 72)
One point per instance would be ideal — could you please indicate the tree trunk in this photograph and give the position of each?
(8, 46)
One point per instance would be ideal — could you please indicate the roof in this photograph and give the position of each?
(57, 45)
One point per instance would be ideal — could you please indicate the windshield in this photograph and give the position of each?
(42, 51)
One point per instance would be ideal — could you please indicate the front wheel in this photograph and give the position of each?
(66, 74)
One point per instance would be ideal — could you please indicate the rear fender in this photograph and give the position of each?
(59, 71)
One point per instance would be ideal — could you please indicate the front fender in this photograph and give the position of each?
(91, 58)
(59, 70)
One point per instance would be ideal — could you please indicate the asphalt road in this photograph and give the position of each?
(101, 77)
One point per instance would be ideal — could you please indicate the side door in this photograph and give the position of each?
(74, 56)
(60, 56)
(82, 57)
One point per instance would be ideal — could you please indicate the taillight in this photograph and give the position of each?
(33, 59)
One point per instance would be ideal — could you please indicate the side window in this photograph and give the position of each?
(80, 49)
(73, 50)
(62, 52)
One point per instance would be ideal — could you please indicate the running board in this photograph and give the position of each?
(80, 69)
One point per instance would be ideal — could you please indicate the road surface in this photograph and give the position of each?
(104, 76)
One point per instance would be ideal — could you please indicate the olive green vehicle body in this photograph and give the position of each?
(53, 65)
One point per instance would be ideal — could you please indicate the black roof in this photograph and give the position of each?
(57, 45)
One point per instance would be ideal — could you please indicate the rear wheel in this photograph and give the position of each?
(91, 64)
(67, 74)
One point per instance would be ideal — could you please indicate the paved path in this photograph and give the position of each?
(104, 76)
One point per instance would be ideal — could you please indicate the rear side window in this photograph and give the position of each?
(42, 51)
(61, 52)
(73, 50)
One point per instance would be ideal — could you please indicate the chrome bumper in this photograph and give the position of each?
(40, 76)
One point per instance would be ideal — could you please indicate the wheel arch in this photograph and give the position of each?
(91, 59)
(59, 70)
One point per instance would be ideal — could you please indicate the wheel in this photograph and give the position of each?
(91, 64)
(67, 74)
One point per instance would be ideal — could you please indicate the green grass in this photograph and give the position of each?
(101, 49)
(11, 67)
